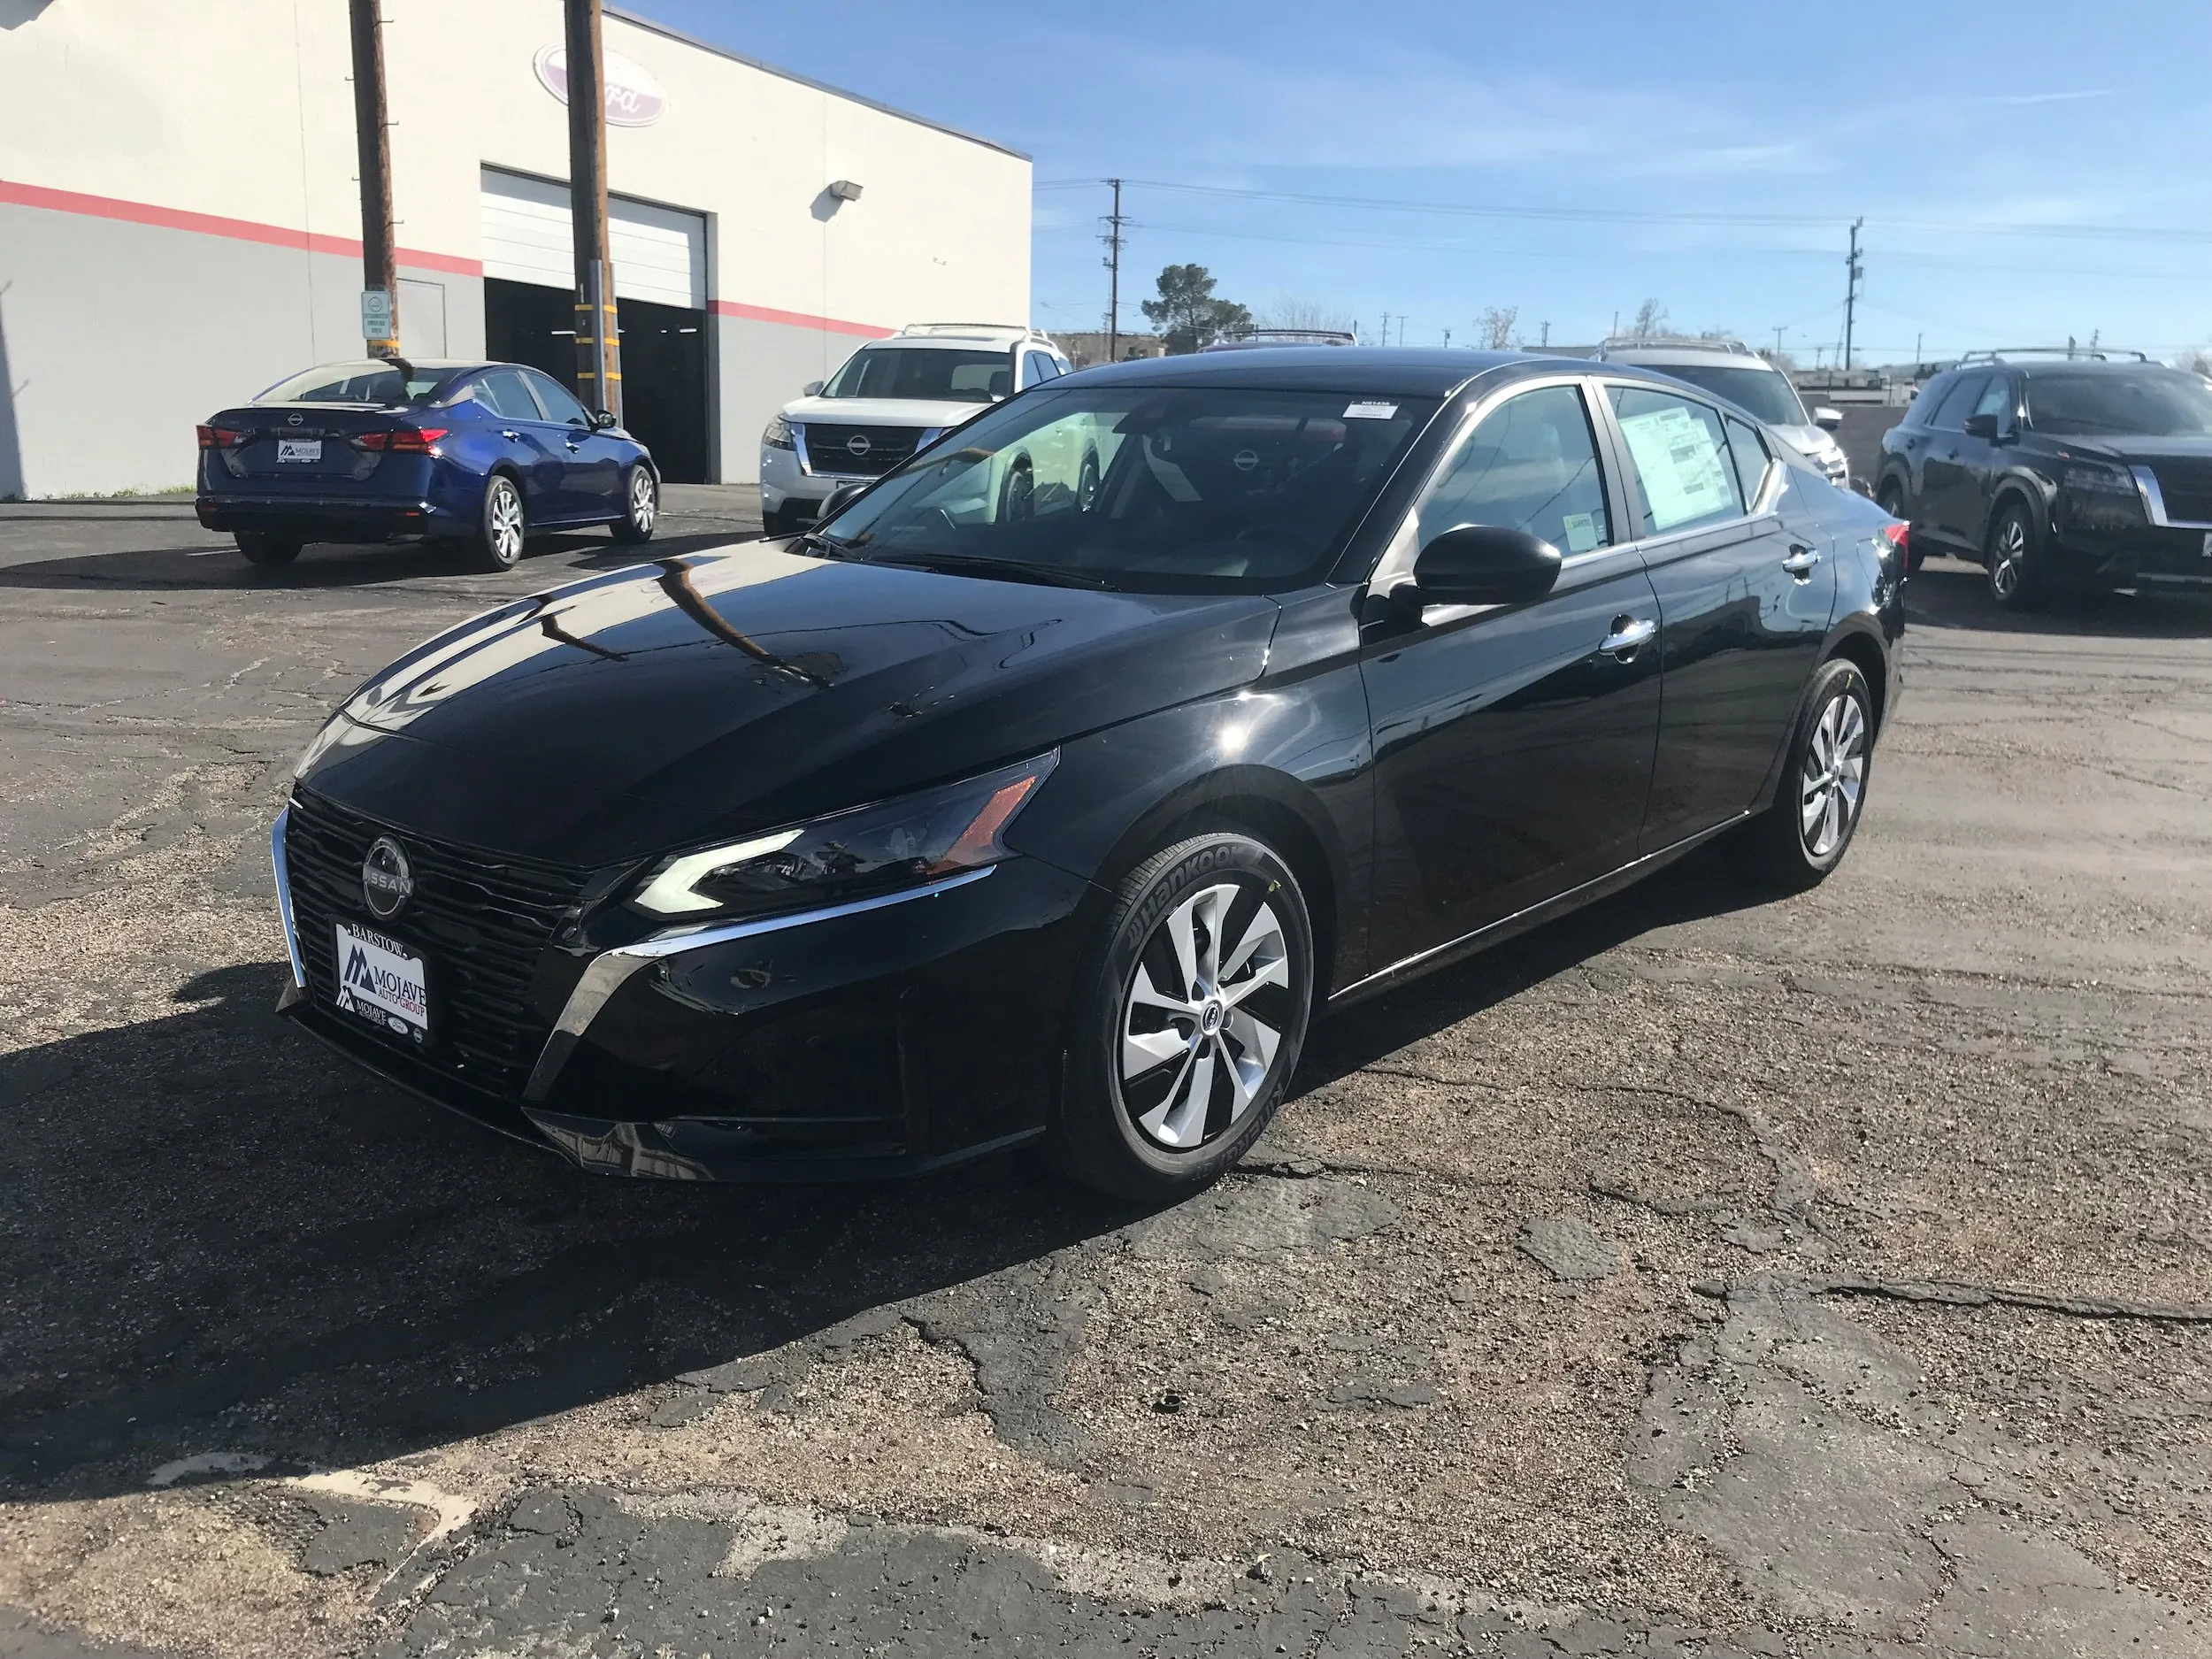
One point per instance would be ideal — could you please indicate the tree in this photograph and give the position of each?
(1495, 326)
(1289, 311)
(1650, 318)
(1186, 314)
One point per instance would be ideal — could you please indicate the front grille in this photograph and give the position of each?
(479, 924)
(879, 448)
(2187, 489)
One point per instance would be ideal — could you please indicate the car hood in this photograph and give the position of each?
(882, 411)
(2123, 448)
(715, 694)
(1808, 440)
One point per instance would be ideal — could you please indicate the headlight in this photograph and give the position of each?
(870, 850)
(777, 435)
(2102, 497)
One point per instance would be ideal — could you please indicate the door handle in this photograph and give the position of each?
(512, 437)
(574, 445)
(1630, 635)
(1800, 561)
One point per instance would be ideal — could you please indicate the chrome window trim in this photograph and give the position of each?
(2154, 502)
(610, 970)
(284, 896)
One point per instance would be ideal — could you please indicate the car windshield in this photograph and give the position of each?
(1766, 393)
(2160, 405)
(941, 374)
(366, 383)
(1147, 490)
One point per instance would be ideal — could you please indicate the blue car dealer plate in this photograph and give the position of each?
(379, 980)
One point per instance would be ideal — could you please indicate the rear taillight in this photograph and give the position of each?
(401, 440)
(222, 438)
(1898, 535)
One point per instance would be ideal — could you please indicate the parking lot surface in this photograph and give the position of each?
(1705, 1274)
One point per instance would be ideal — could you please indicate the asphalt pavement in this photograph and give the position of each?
(1705, 1274)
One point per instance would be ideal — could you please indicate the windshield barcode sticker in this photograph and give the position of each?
(1369, 411)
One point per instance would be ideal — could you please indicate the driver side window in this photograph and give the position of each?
(1532, 465)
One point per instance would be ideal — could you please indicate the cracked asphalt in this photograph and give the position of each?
(1704, 1275)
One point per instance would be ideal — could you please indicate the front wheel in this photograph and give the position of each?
(1797, 841)
(1189, 1015)
(260, 547)
(2014, 559)
(641, 506)
(502, 528)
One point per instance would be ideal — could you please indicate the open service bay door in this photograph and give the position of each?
(660, 284)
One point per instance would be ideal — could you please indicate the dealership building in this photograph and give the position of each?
(180, 222)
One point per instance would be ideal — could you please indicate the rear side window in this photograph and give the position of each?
(1681, 459)
(1950, 414)
(1531, 465)
(505, 393)
(1037, 368)
(1749, 452)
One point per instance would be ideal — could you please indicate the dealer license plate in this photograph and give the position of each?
(2207, 544)
(299, 448)
(379, 980)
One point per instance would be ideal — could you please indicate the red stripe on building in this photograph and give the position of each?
(798, 319)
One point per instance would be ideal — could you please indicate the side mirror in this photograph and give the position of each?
(1983, 427)
(837, 501)
(813, 389)
(1826, 419)
(1485, 564)
(600, 420)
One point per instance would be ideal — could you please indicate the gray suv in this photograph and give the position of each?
(1729, 369)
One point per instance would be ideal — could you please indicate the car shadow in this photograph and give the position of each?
(215, 566)
(223, 1238)
(1950, 594)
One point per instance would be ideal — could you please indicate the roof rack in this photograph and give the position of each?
(1676, 343)
(1020, 331)
(2079, 354)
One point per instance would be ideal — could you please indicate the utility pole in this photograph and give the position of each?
(598, 331)
(1917, 359)
(1778, 338)
(380, 293)
(1112, 239)
(1546, 340)
(1851, 293)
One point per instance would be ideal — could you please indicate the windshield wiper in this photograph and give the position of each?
(964, 563)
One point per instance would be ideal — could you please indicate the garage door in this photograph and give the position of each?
(660, 254)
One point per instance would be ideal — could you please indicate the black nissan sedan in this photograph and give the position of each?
(1048, 789)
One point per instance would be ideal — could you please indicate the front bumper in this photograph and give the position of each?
(328, 518)
(884, 1037)
(2164, 558)
(788, 482)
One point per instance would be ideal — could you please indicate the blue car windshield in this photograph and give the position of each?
(368, 383)
(1145, 489)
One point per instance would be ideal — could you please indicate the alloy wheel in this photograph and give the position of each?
(504, 522)
(1834, 776)
(644, 501)
(2007, 557)
(1203, 1015)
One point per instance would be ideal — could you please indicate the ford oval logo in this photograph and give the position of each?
(635, 96)
(859, 444)
(386, 882)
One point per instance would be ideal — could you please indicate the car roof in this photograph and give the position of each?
(1657, 355)
(1359, 371)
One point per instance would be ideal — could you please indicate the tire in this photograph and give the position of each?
(1087, 482)
(641, 506)
(2015, 558)
(776, 521)
(263, 546)
(1018, 492)
(1797, 841)
(501, 527)
(1165, 1090)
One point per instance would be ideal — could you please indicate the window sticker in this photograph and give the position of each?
(1582, 532)
(1680, 462)
(1369, 411)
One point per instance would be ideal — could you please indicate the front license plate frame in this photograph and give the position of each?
(383, 982)
(299, 451)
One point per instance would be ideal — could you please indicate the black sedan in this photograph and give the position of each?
(1051, 787)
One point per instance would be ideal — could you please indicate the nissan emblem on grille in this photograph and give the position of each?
(386, 882)
(859, 444)
(293, 421)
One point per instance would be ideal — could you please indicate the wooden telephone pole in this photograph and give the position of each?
(380, 316)
(598, 337)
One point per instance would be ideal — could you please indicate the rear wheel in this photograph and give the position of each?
(1189, 1015)
(641, 506)
(1795, 842)
(1018, 494)
(1087, 482)
(263, 547)
(502, 529)
(2015, 558)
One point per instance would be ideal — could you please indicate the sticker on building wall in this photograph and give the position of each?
(635, 96)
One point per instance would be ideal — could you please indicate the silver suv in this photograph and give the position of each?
(1729, 369)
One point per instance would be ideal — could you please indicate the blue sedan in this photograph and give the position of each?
(476, 455)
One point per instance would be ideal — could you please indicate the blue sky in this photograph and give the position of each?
(2027, 170)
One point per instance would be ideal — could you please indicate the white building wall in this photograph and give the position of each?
(177, 205)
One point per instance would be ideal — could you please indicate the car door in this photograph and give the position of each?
(1744, 602)
(591, 478)
(528, 440)
(1943, 477)
(1981, 458)
(1513, 745)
